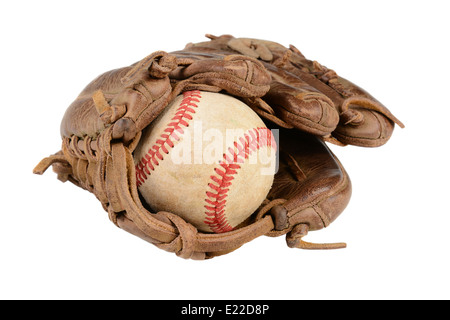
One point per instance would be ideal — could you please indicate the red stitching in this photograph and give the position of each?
(179, 120)
(216, 200)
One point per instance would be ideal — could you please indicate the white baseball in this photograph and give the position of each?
(181, 169)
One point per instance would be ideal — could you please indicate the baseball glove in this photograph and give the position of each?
(305, 101)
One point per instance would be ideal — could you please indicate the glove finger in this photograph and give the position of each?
(238, 75)
(302, 106)
(364, 121)
(363, 127)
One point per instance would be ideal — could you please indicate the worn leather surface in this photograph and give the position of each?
(306, 102)
(311, 97)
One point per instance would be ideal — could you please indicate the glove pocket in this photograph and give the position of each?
(315, 186)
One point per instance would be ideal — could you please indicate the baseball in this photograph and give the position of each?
(208, 158)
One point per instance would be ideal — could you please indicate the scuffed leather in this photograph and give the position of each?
(349, 114)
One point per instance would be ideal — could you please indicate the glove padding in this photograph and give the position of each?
(101, 128)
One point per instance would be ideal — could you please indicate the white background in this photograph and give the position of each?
(56, 242)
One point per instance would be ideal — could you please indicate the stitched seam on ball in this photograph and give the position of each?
(173, 131)
(228, 167)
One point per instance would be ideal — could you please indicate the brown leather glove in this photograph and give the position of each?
(102, 127)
